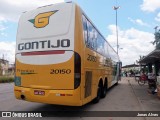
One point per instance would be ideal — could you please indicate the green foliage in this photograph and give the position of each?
(6, 79)
(157, 39)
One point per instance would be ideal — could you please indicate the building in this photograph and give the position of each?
(152, 61)
(11, 69)
(4, 65)
(130, 70)
(132, 67)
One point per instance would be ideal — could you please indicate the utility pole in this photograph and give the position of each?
(116, 8)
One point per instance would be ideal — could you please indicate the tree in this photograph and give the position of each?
(157, 38)
(0, 69)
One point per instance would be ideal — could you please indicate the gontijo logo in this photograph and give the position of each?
(42, 19)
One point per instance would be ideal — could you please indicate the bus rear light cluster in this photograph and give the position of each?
(77, 70)
(77, 75)
(18, 90)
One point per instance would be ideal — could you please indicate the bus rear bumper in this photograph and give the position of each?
(59, 97)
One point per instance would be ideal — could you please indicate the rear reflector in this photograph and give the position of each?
(62, 94)
(18, 90)
(58, 94)
(43, 52)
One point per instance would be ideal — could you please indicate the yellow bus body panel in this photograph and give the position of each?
(69, 97)
(59, 89)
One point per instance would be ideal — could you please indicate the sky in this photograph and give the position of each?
(136, 20)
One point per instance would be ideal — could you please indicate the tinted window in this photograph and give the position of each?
(95, 41)
(85, 28)
(100, 44)
(91, 36)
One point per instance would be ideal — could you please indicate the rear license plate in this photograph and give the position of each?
(39, 92)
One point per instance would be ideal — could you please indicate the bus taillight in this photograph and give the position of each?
(77, 70)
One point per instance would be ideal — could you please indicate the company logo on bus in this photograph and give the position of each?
(42, 19)
(46, 44)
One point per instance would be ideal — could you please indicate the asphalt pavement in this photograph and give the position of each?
(126, 96)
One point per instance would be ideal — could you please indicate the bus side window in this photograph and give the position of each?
(100, 44)
(91, 36)
(84, 20)
(115, 65)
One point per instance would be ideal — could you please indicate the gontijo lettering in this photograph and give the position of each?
(44, 44)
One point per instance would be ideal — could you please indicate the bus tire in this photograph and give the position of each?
(104, 90)
(116, 83)
(96, 100)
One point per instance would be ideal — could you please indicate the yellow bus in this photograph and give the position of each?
(61, 58)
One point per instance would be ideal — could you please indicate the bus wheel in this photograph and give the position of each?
(96, 100)
(116, 83)
(104, 90)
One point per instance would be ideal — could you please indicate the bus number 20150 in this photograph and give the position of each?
(60, 71)
(91, 58)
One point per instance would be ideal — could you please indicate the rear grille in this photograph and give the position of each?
(88, 82)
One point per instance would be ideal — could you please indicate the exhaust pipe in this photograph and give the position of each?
(22, 97)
